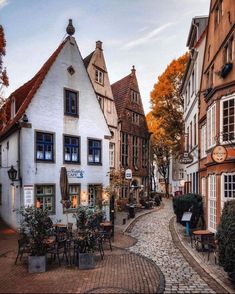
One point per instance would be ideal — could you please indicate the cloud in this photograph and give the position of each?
(3, 3)
(147, 37)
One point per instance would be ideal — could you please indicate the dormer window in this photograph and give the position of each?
(134, 96)
(13, 107)
(99, 76)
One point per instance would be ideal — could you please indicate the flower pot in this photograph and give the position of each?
(86, 260)
(37, 264)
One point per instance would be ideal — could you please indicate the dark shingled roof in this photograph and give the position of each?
(87, 59)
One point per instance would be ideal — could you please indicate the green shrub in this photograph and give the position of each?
(188, 202)
(226, 239)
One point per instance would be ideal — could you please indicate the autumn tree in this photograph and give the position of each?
(3, 73)
(165, 121)
(167, 103)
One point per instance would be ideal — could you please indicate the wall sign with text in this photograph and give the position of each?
(75, 173)
(28, 195)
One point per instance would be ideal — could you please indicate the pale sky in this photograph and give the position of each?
(144, 33)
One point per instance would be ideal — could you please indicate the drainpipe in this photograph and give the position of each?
(19, 164)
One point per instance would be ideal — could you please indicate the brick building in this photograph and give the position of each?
(134, 151)
(216, 112)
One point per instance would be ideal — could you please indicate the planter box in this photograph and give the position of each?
(37, 264)
(86, 260)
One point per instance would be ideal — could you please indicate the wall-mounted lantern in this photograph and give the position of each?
(12, 174)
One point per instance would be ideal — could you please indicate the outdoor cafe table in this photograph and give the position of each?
(203, 235)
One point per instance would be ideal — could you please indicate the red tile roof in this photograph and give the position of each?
(25, 93)
(120, 91)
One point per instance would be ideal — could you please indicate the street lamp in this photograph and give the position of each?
(12, 173)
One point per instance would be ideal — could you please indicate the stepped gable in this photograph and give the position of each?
(25, 93)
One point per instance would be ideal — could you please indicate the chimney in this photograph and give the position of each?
(99, 45)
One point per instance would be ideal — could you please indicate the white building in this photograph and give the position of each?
(190, 91)
(55, 121)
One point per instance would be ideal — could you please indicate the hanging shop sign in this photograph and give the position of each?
(219, 154)
(75, 173)
(28, 195)
(185, 158)
(128, 174)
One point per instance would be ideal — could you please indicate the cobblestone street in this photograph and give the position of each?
(155, 242)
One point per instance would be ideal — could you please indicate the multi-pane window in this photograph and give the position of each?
(71, 103)
(94, 151)
(71, 149)
(44, 146)
(144, 152)
(181, 174)
(229, 51)
(135, 118)
(187, 138)
(203, 141)
(111, 154)
(134, 96)
(193, 82)
(228, 119)
(94, 195)
(99, 76)
(74, 195)
(228, 187)
(189, 91)
(135, 151)
(124, 150)
(45, 197)
(212, 202)
(211, 126)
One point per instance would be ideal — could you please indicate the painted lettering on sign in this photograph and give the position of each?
(28, 195)
(76, 173)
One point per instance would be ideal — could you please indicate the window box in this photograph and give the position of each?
(226, 69)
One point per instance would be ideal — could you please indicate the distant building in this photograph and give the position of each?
(190, 90)
(217, 112)
(54, 120)
(134, 151)
(97, 70)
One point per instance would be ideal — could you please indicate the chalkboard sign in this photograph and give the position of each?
(186, 217)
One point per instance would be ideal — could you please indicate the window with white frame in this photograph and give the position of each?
(228, 51)
(203, 186)
(228, 119)
(111, 154)
(135, 118)
(203, 141)
(227, 188)
(99, 76)
(212, 202)
(211, 126)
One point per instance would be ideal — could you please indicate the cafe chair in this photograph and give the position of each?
(23, 248)
(60, 247)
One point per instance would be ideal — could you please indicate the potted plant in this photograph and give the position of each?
(36, 225)
(88, 219)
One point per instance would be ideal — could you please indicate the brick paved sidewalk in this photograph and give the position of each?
(119, 272)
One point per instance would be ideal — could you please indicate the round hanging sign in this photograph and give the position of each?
(219, 154)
